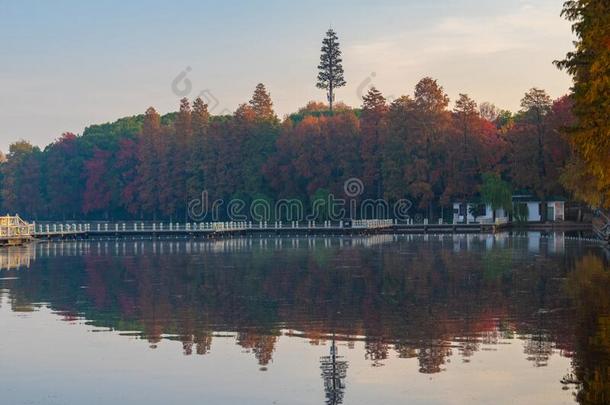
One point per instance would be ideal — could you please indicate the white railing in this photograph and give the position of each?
(372, 223)
(197, 227)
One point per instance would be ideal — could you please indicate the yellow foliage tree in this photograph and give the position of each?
(589, 64)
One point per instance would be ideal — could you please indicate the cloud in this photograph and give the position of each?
(524, 28)
(494, 55)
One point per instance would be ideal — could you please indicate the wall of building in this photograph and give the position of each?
(533, 211)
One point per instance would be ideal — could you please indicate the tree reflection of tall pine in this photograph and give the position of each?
(420, 298)
(334, 371)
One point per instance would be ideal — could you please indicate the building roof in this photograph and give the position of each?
(525, 198)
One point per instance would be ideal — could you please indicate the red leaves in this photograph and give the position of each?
(97, 195)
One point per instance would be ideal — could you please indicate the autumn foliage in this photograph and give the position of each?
(419, 147)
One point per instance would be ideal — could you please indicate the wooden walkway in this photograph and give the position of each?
(14, 231)
(220, 229)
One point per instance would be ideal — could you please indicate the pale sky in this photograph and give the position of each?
(68, 64)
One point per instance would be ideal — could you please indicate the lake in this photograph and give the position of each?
(455, 319)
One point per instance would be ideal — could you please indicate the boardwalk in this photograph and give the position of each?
(18, 232)
(220, 229)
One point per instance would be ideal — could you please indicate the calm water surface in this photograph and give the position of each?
(382, 319)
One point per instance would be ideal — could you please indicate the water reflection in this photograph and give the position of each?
(430, 298)
(334, 371)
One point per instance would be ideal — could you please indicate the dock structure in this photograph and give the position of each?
(221, 229)
(15, 231)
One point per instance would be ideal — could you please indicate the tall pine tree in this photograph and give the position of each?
(330, 75)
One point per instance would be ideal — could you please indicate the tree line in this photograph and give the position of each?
(417, 147)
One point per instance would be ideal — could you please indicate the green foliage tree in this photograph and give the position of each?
(63, 165)
(330, 69)
(320, 204)
(497, 193)
(22, 185)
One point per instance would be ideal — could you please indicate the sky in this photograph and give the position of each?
(65, 65)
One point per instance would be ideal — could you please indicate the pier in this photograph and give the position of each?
(15, 231)
(221, 229)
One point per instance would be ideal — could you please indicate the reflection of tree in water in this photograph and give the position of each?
(469, 346)
(334, 371)
(262, 345)
(589, 286)
(538, 348)
(376, 350)
(539, 345)
(204, 343)
(432, 358)
(419, 305)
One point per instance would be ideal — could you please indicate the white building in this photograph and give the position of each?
(477, 213)
(525, 205)
(555, 207)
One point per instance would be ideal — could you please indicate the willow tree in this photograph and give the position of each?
(330, 75)
(497, 193)
(589, 64)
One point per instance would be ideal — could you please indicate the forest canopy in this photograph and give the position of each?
(420, 147)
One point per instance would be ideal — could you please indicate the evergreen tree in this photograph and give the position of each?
(22, 181)
(330, 75)
(394, 150)
(262, 105)
(426, 143)
(64, 189)
(466, 116)
(430, 97)
(537, 146)
(149, 166)
(197, 167)
(374, 110)
(180, 153)
(536, 104)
